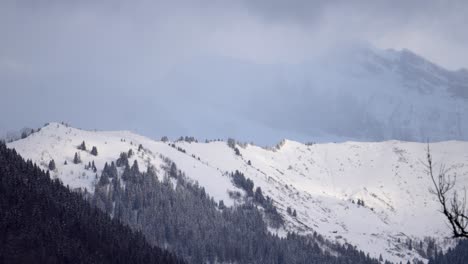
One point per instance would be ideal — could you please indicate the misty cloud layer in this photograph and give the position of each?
(203, 68)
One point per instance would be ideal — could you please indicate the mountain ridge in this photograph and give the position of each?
(359, 93)
(322, 182)
(44, 222)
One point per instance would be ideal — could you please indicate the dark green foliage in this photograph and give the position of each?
(186, 139)
(130, 153)
(52, 165)
(291, 212)
(41, 221)
(237, 151)
(457, 255)
(232, 144)
(82, 146)
(259, 198)
(189, 222)
(135, 168)
(25, 132)
(275, 219)
(178, 148)
(431, 249)
(173, 171)
(94, 151)
(132, 174)
(360, 202)
(111, 170)
(76, 158)
(181, 150)
(108, 172)
(221, 205)
(190, 139)
(104, 179)
(122, 161)
(93, 166)
(240, 181)
(126, 175)
(24, 135)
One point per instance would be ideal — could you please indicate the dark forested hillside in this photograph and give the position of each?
(457, 255)
(171, 211)
(41, 221)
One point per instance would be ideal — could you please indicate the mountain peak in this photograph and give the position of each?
(320, 181)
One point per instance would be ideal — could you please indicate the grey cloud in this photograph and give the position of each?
(260, 30)
(168, 66)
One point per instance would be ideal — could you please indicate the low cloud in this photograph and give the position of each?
(61, 59)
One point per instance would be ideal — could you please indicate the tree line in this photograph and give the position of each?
(176, 213)
(42, 221)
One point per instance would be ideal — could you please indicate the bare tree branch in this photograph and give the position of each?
(453, 207)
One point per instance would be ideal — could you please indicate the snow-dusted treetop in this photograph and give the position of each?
(325, 183)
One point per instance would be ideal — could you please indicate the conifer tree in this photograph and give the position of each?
(104, 179)
(93, 166)
(231, 143)
(135, 168)
(77, 158)
(94, 151)
(42, 221)
(168, 209)
(113, 170)
(221, 205)
(259, 198)
(52, 165)
(82, 146)
(122, 160)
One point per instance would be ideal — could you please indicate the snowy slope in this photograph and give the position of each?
(318, 181)
(356, 93)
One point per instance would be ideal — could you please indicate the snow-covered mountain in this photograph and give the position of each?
(319, 181)
(358, 93)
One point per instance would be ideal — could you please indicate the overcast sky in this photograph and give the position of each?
(59, 60)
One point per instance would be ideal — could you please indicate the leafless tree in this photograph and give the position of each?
(453, 206)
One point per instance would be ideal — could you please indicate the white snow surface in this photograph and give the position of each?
(319, 181)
